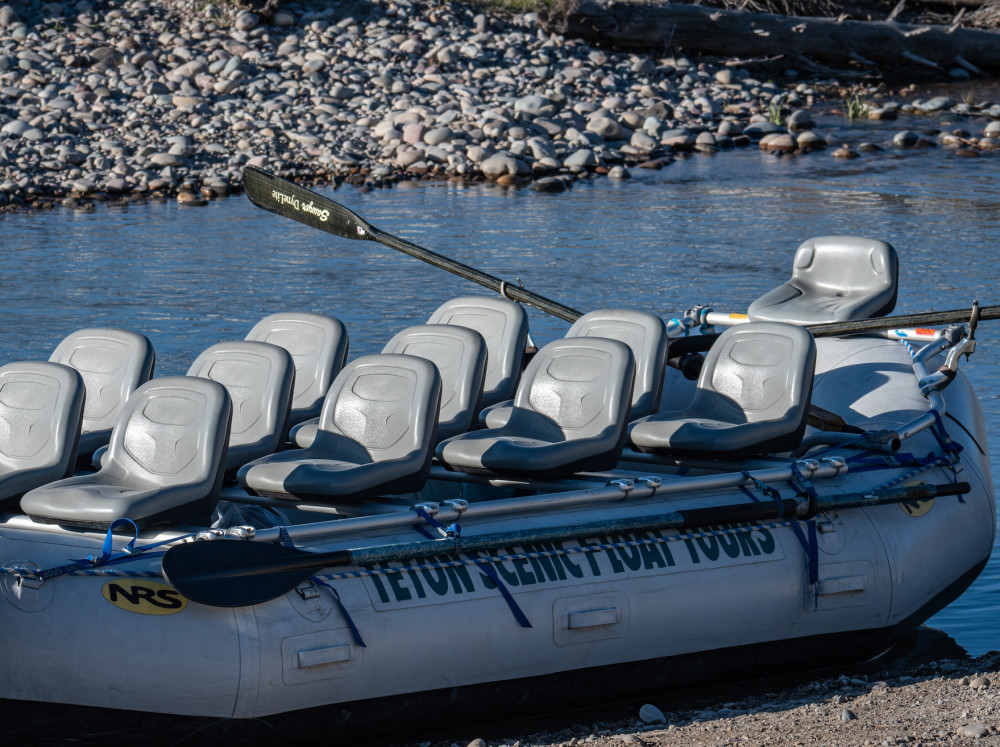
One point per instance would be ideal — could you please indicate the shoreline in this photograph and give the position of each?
(121, 102)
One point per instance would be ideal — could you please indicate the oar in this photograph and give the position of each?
(237, 573)
(282, 197)
(701, 343)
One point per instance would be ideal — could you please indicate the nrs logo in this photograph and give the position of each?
(144, 597)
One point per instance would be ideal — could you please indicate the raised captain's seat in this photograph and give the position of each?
(259, 378)
(752, 397)
(376, 436)
(41, 408)
(644, 333)
(113, 364)
(834, 279)
(460, 356)
(504, 327)
(165, 461)
(318, 346)
(569, 415)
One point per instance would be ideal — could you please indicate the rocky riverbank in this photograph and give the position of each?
(936, 702)
(129, 99)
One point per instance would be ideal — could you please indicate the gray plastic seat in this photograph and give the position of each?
(376, 436)
(752, 396)
(460, 356)
(41, 408)
(504, 326)
(644, 333)
(165, 461)
(569, 415)
(113, 364)
(318, 346)
(834, 279)
(259, 378)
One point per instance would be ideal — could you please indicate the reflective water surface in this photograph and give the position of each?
(716, 230)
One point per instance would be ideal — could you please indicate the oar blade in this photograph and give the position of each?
(223, 573)
(284, 198)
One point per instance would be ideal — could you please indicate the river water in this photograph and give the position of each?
(718, 230)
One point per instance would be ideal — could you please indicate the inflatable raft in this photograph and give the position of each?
(446, 525)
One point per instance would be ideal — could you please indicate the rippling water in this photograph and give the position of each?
(717, 230)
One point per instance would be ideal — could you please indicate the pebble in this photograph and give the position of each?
(973, 730)
(650, 714)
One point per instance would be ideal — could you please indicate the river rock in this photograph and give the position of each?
(607, 128)
(906, 139)
(503, 163)
(580, 160)
(975, 731)
(650, 714)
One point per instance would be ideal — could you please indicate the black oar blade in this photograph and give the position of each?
(223, 573)
(284, 198)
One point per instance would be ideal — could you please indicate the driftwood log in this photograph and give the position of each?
(696, 29)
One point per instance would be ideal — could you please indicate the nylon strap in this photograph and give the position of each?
(486, 568)
(286, 540)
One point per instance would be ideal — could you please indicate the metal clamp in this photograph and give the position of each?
(838, 463)
(241, 532)
(808, 465)
(626, 486)
(431, 509)
(458, 505)
(209, 534)
(29, 577)
(650, 481)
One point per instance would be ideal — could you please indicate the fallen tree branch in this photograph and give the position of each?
(697, 29)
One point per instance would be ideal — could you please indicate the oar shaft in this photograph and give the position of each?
(282, 197)
(513, 292)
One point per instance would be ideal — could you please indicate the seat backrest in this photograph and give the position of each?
(173, 430)
(259, 378)
(759, 371)
(381, 407)
(834, 279)
(646, 336)
(460, 356)
(318, 346)
(41, 408)
(504, 326)
(580, 386)
(113, 364)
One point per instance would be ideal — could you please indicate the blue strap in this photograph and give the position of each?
(286, 540)
(343, 610)
(483, 566)
(807, 540)
(765, 489)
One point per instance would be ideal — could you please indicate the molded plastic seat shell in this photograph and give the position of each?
(460, 356)
(318, 345)
(113, 364)
(644, 333)
(375, 437)
(752, 396)
(834, 279)
(41, 407)
(164, 463)
(504, 327)
(259, 378)
(569, 415)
